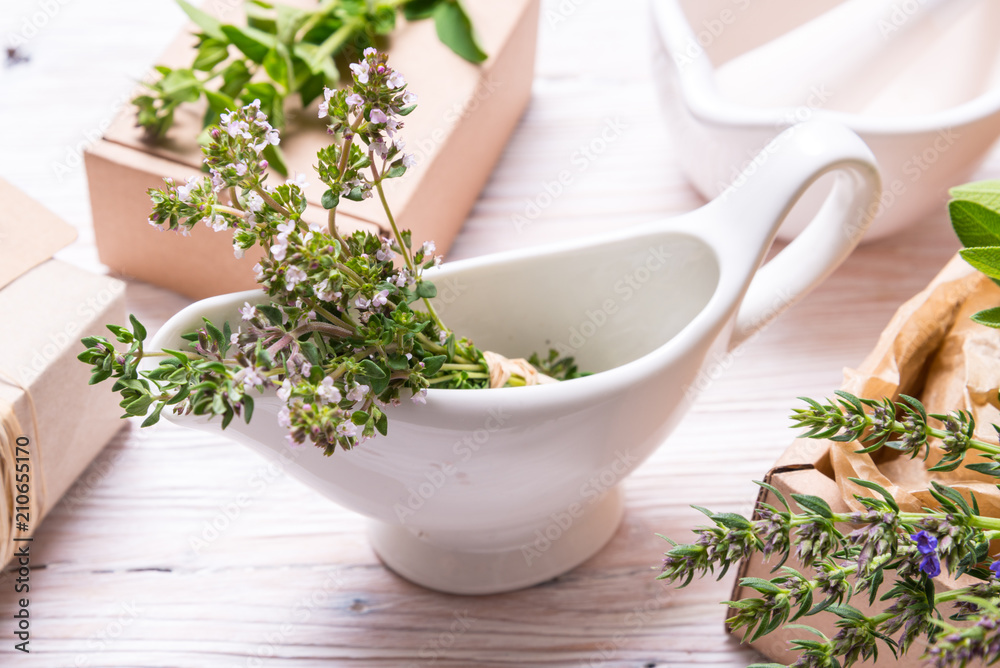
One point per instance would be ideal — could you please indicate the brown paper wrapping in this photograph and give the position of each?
(48, 307)
(933, 351)
(930, 350)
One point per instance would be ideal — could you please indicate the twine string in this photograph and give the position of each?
(10, 431)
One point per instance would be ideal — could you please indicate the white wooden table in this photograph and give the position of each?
(288, 579)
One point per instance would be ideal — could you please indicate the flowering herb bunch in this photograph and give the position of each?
(881, 553)
(337, 334)
(285, 51)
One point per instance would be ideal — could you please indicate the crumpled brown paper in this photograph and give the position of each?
(933, 351)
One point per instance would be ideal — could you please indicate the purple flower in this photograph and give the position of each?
(926, 543)
(995, 567)
(377, 116)
(930, 565)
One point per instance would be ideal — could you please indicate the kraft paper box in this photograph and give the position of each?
(52, 424)
(930, 350)
(464, 117)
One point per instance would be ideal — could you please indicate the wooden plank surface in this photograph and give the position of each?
(287, 579)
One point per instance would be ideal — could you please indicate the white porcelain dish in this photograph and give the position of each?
(481, 491)
(918, 80)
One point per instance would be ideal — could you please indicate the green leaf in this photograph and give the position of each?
(382, 423)
(846, 612)
(356, 195)
(986, 259)
(732, 521)
(247, 408)
(211, 25)
(398, 362)
(211, 52)
(276, 67)
(289, 20)
(153, 418)
(761, 585)
(359, 417)
(137, 328)
(234, 78)
(814, 504)
(426, 290)
(975, 224)
(454, 29)
(986, 193)
(988, 468)
(329, 200)
(272, 313)
(255, 44)
(989, 317)
(181, 86)
(877, 488)
(396, 169)
(415, 10)
(952, 495)
(371, 370)
(433, 364)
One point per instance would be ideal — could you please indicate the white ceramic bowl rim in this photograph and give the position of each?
(705, 101)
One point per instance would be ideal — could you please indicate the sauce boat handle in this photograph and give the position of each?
(760, 199)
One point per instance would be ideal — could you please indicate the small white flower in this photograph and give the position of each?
(401, 278)
(238, 252)
(184, 191)
(273, 137)
(429, 247)
(377, 116)
(409, 98)
(324, 108)
(370, 51)
(253, 202)
(258, 271)
(380, 299)
(354, 100)
(250, 376)
(240, 167)
(409, 160)
(292, 443)
(284, 417)
(379, 148)
(420, 397)
(328, 93)
(361, 302)
(442, 337)
(360, 71)
(327, 392)
(347, 428)
(286, 228)
(298, 180)
(395, 80)
(248, 312)
(385, 253)
(293, 276)
(255, 104)
(279, 249)
(357, 392)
